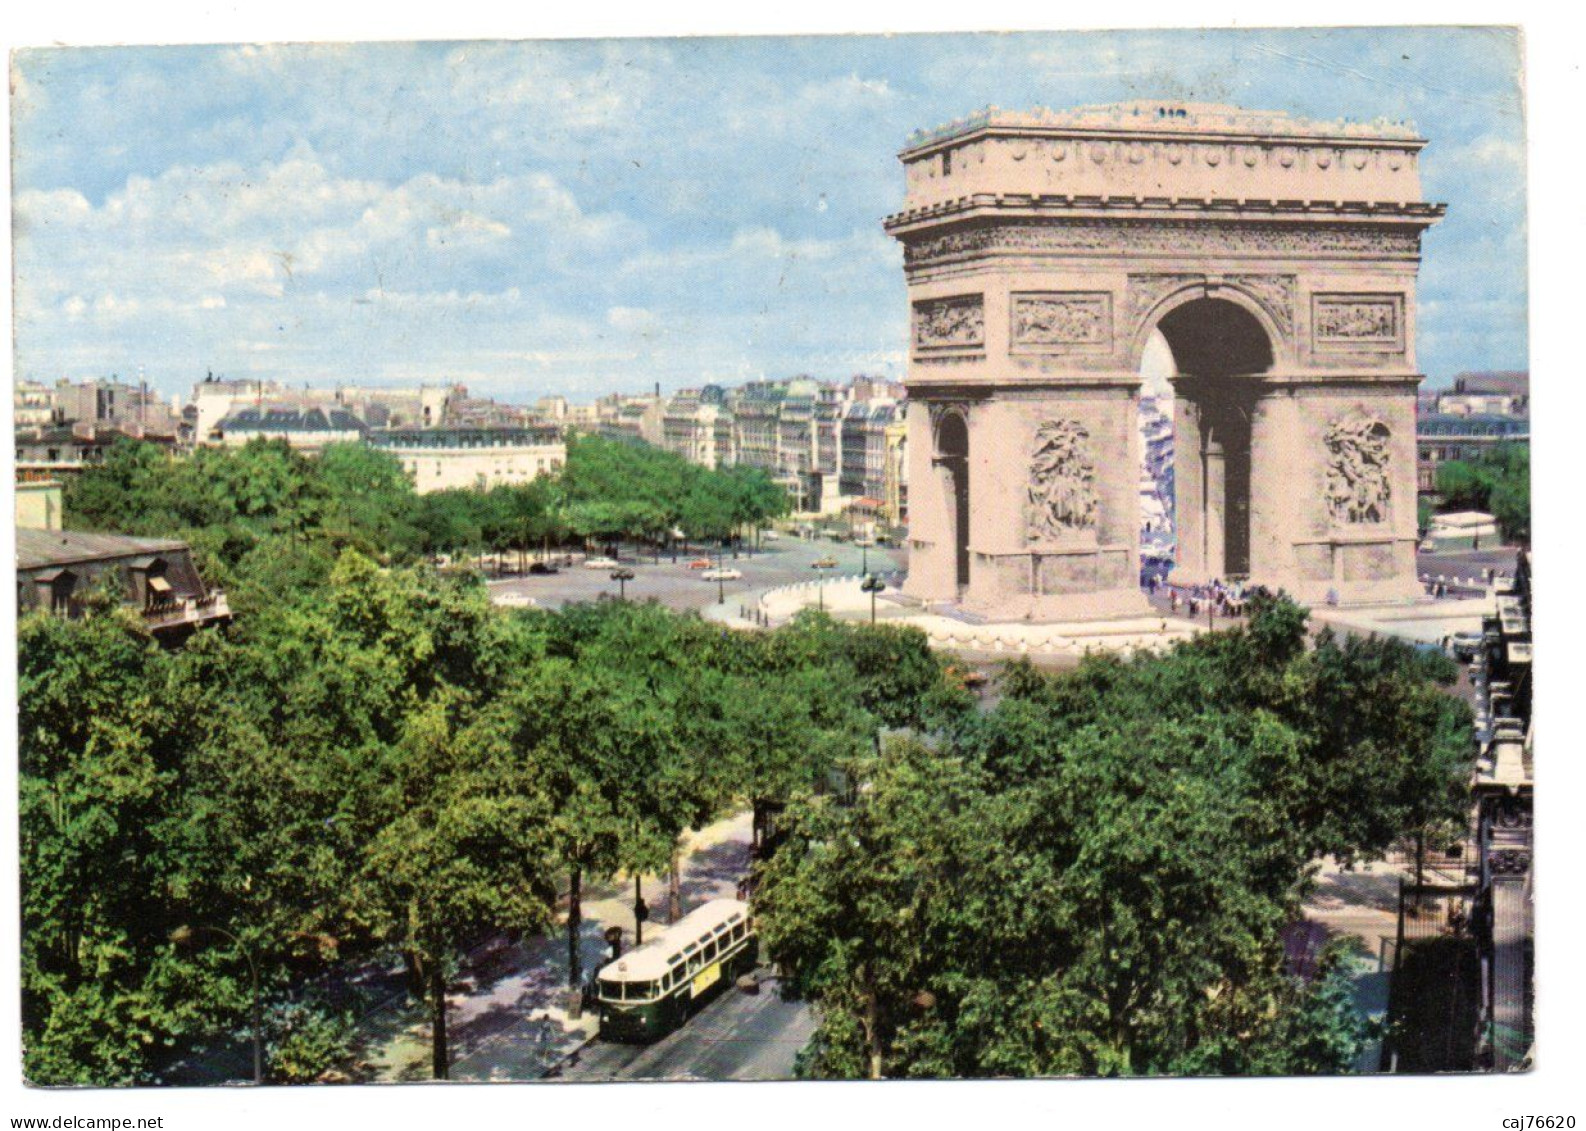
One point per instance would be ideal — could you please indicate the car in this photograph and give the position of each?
(514, 600)
(699, 563)
(824, 563)
(542, 568)
(600, 563)
(721, 574)
(770, 535)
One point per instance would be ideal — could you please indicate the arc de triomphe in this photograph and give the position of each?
(1277, 258)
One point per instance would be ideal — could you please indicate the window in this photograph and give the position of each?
(160, 591)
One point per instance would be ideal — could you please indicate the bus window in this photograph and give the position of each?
(639, 991)
(611, 991)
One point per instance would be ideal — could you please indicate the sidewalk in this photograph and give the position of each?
(1361, 906)
(844, 600)
(506, 1018)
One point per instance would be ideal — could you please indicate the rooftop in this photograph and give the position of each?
(1201, 118)
(41, 549)
(276, 419)
(655, 957)
(1513, 382)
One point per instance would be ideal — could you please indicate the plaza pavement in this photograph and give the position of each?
(506, 1014)
(843, 599)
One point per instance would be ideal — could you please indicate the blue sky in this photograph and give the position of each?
(591, 216)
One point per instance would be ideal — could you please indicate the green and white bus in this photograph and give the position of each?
(654, 988)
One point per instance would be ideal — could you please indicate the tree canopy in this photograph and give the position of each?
(1499, 483)
(1091, 877)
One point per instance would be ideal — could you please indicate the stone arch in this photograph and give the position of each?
(1069, 237)
(1279, 337)
(951, 457)
(1220, 347)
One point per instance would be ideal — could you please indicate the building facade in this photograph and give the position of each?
(308, 430)
(439, 459)
(1440, 437)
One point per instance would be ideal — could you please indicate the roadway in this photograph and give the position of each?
(783, 562)
(739, 1036)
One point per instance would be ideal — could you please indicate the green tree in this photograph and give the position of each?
(457, 853)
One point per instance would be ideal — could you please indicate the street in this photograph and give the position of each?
(739, 1036)
(783, 562)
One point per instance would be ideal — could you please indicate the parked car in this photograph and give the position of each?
(514, 600)
(600, 563)
(543, 568)
(721, 574)
(770, 535)
(699, 563)
(824, 563)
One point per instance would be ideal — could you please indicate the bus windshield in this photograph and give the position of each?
(626, 991)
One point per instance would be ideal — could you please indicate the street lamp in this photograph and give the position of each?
(622, 577)
(183, 935)
(872, 586)
(822, 565)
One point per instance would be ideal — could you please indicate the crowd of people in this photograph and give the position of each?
(1222, 598)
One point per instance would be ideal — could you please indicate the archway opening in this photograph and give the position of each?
(1214, 343)
(952, 452)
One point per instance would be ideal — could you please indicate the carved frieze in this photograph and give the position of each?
(1161, 237)
(1351, 321)
(1358, 487)
(1275, 293)
(1061, 494)
(1508, 863)
(1145, 291)
(939, 409)
(958, 322)
(1511, 813)
(1058, 320)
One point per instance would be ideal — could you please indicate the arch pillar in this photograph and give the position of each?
(932, 510)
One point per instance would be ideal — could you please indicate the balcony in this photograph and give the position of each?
(176, 612)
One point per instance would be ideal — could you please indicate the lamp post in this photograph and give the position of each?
(183, 935)
(822, 566)
(622, 577)
(864, 558)
(872, 586)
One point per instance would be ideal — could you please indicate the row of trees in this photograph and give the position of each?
(1092, 877)
(230, 504)
(382, 762)
(1499, 483)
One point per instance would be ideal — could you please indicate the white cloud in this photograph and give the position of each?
(632, 320)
